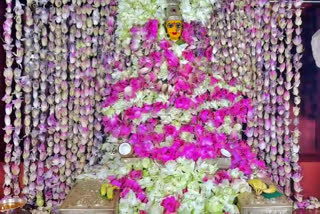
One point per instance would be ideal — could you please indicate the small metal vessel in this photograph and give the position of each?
(9, 205)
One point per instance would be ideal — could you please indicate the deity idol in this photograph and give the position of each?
(174, 20)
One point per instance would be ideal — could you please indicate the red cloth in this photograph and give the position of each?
(2, 178)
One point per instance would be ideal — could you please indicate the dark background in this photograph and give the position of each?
(2, 85)
(310, 88)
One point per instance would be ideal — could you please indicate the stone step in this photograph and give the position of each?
(84, 198)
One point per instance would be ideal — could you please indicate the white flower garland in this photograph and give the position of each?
(138, 12)
(195, 10)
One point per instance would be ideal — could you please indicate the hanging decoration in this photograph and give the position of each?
(9, 75)
(27, 89)
(174, 21)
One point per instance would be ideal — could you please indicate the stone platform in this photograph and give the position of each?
(249, 203)
(85, 198)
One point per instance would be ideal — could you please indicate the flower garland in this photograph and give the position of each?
(18, 101)
(27, 88)
(134, 105)
(8, 74)
(43, 105)
(132, 12)
(178, 186)
(200, 11)
(170, 108)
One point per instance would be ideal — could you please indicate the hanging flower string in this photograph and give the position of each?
(8, 74)
(27, 89)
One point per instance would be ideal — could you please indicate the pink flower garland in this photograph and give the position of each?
(128, 183)
(185, 78)
(170, 204)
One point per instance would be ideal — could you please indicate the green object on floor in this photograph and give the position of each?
(272, 195)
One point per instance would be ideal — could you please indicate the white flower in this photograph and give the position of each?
(185, 117)
(109, 112)
(163, 74)
(200, 90)
(129, 204)
(187, 136)
(120, 106)
(241, 186)
(116, 75)
(159, 128)
(195, 10)
(138, 100)
(164, 98)
(138, 12)
(178, 49)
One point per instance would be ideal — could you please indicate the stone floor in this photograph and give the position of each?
(307, 211)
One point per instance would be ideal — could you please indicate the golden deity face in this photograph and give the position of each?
(174, 20)
(174, 29)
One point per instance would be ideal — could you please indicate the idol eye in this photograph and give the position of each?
(178, 25)
(170, 25)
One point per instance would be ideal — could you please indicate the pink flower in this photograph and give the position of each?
(170, 204)
(172, 59)
(153, 77)
(124, 192)
(164, 44)
(202, 32)
(135, 174)
(183, 103)
(204, 115)
(134, 30)
(129, 114)
(125, 184)
(120, 86)
(202, 98)
(169, 130)
(187, 128)
(188, 55)
(156, 57)
(116, 182)
(208, 53)
(186, 70)
(158, 106)
(157, 138)
(213, 81)
(110, 100)
(199, 130)
(221, 175)
(206, 141)
(219, 118)
(137, 83)
(142, 129)
(152, 29)
(125, 131)
(111, 21)
(188, 33)
(182, 85)
(191, 151)
(146, 108)
(145, 62)
(142, 197)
